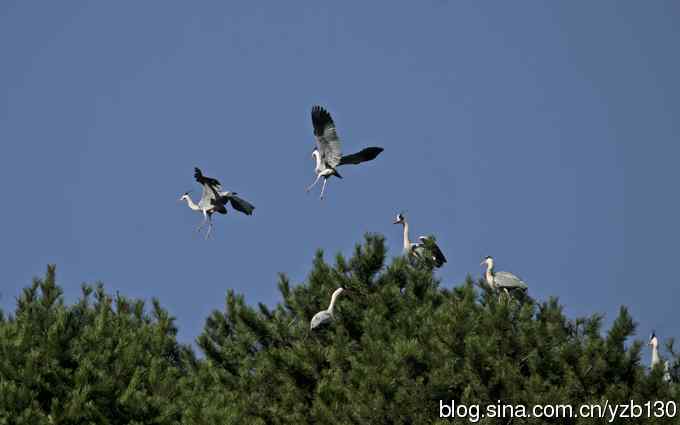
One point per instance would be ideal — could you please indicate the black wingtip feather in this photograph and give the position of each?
(200, 178)
(320, 119)
(364, 155)
(372, 152)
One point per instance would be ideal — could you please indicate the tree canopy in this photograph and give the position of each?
(398, 346)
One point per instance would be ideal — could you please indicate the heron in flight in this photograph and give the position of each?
(214, 200)
(325, 316)
(426, 250)
(501, 280)
(327, 153)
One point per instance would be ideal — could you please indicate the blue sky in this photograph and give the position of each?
(545, 135)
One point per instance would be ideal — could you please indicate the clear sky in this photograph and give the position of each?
(545, 135)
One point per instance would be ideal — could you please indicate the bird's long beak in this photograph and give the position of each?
(397, 222)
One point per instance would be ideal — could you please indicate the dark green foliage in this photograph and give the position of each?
(397, 346)
(103, 360)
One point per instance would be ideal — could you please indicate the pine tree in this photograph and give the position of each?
(103, 360)
(400, 344)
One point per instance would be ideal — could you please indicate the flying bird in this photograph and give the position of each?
(426, 250)
(501, 280)
(325, 316)
(214, 200)
(327, 153)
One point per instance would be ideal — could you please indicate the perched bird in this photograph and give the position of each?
(426, 250)
(501, 280)
(654, 343)
(327, 153)
(656, 358)
(325, 315)
(214, 200)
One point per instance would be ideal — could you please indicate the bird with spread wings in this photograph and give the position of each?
(327, 153)
(214, 200)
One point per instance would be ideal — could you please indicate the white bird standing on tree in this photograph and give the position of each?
(501, 280)
(656, 358)
(327, 153)
(214, 200)
(325, 315)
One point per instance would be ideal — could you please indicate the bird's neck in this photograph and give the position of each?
(317, 159)
(489, 275)
(191, 204)
(407, 242)
(655, 355)
(333, 298)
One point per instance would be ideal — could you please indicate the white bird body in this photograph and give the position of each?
(654, 343)
(321, 169)
(319, 318)
(656, 358)
(327, 154)
(325, 315)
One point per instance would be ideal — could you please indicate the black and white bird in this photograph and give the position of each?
(426, 250)
(325, 316)
(656, 358)
(327, 153)
(214, 200)
(654, 343)
(505, 281)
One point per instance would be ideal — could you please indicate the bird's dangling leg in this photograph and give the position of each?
(203, 223)
(323, 187)
(313, 184)
(210, 225)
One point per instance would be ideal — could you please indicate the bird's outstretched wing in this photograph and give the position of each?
(211, 188)
(508, 280)
(203, 180)
(364, 155)
(239, 204)
(437, 255)
(327, 140)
